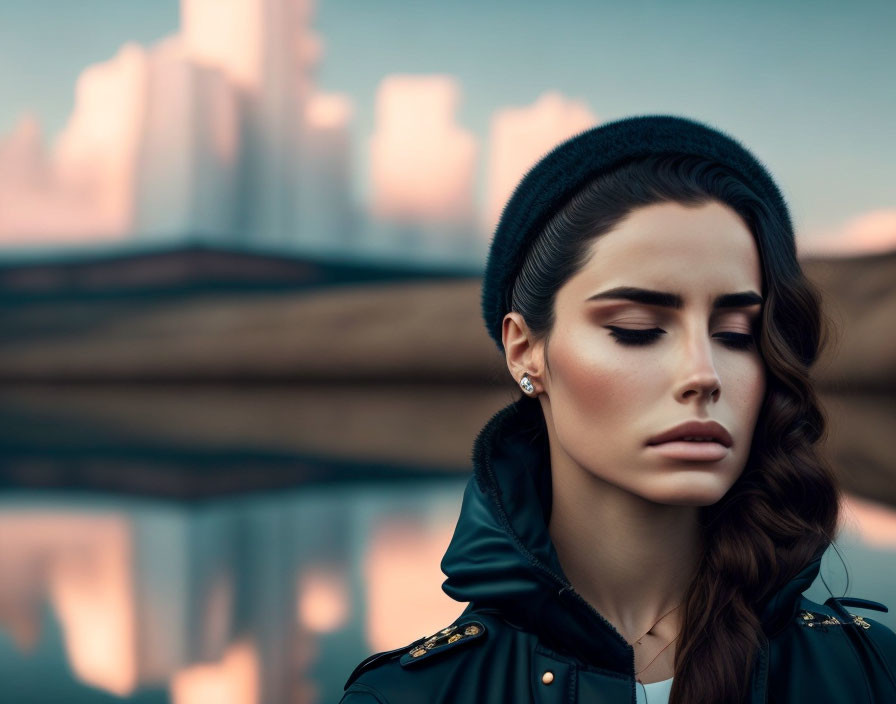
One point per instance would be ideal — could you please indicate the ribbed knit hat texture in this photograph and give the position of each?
(550, 184)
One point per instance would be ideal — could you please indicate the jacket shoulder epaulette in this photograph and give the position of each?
(457, 635)
(872, 642)
(834, 613)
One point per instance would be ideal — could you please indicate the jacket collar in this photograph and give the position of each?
(501, 555)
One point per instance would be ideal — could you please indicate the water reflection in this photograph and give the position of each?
(234, 679)
(265, 598)
(81, 564)
(323, 598)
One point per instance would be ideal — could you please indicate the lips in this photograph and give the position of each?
(694, 428)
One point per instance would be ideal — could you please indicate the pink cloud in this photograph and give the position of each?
(23, 158)
(519, 136)
(874, 523)
(84, 563)
(868, 233)
(235, 679)
(82, 188)
(403, 580)
(328, 111)
(324, 601)
(874, 231)
(96, 152)
(153, 145)
(225, 35)
(422, 162)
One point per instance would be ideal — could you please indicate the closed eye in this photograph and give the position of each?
(634, 338)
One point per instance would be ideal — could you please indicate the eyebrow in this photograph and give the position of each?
(743, 299)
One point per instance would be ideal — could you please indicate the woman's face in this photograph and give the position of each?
(604, 399)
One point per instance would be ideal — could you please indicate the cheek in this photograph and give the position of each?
(589, 376)
(747, 381)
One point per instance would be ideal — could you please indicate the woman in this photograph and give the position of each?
(642, 522)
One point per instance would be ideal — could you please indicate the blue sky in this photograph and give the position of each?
(808, 86)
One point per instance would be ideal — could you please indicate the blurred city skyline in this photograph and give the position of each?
(338, 127)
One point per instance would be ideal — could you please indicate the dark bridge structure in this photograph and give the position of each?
(198, 372)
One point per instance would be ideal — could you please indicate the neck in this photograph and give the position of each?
(630, 558)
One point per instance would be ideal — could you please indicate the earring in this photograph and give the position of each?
(526, 384)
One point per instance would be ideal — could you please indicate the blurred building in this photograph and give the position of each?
(189, 149)
(236, 145)
(214, 135)
(422, 166)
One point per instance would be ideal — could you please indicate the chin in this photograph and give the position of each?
(691, 495)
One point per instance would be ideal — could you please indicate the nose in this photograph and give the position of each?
(699, 377)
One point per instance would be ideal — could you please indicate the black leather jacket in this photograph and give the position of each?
(524, 619)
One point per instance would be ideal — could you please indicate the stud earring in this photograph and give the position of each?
(526, 384)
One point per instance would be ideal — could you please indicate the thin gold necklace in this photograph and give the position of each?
(638, 642)
(657, 655)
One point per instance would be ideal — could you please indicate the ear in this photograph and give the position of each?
(523, 353)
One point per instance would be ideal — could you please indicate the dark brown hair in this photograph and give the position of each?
(783, 510)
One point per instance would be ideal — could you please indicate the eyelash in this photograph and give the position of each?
(632, 338)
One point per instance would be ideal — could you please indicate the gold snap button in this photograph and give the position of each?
(547, 677)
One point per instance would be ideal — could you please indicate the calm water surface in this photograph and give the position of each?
(265, 598)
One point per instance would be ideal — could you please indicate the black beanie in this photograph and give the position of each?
(550, 184)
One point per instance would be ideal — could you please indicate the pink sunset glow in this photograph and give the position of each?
(323, 599)
(328, 110)
(84, 565)
(519, 137)
(84, 187)
(874, 523)
(235, 679)
(225, 35)
(872, 232)
(867, 233)
(97, 150)
(401, 571)
(218, 130)
(421, 161)
(158, 135)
